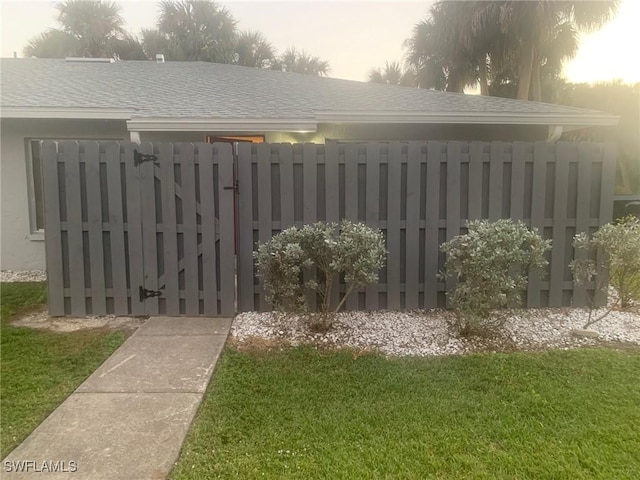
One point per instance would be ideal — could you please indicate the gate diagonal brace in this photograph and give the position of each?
(139, 158)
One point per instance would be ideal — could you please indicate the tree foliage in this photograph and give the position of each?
(511, 46)
(296, 61)
(392, 74)
(619, 99)
(88, 29)
(197, 30)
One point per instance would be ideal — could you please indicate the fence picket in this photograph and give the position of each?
(432, 225)
(74, 229)
(94, 219)
(393, 226)
(169, 228)
(208, 202)
(560, 201)
(53, 243)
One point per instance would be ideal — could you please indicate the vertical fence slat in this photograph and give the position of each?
(517, 180)
(53, 239)
(116, 220)
(332, 194)
(134, 228)
(372, 210)
(245, 229)
(226, 259)
(454, 150)
(286, 186)
(94, 218)
(564, 153)
(393, 226)
(432, 225)
(475, 180)
(169, 228)
(587, 154)
(74, 230)
(310, 200)
(538, 195)
(332, 200)
(208, 226)
(149, 241)
(609, 156)
(264, 204)
(189, 218)
(495, 180)
(412, 247)
(351, 200)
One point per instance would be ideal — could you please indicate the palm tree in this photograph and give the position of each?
(508, 43)
(438, 52)
(253, 50)
(88, 29)
(301, 62)
(193, 30)
(531, 26)
(392, 74)
(52, 44)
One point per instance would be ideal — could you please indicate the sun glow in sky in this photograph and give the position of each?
(354, 36)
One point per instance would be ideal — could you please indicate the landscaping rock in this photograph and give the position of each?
(425, 333)
(582, 333)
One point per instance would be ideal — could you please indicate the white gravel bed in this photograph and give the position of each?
(424, 333)
(23, 276)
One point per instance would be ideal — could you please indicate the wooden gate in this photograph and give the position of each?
(139, 229)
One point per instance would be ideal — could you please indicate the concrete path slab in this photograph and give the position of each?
(185, 326)
(110, 436)
(158, 364)
(129, 418)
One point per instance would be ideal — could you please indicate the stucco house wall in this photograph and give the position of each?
(20, 248)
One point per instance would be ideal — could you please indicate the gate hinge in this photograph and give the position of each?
(144, 293)
(235, 187)
(139, 158)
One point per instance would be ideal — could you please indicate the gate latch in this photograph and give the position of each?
(144, 293)
(139, 158)
(235, 187)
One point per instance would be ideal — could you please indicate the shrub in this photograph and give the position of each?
(352, 249)
(614, 249)
(491, 262)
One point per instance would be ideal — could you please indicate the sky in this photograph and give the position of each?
(354, 36)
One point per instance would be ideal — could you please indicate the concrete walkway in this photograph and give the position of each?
(128, 420)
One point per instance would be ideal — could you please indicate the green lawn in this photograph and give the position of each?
(305, 414)
(40, 369)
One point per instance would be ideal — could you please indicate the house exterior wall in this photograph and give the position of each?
(21, 249)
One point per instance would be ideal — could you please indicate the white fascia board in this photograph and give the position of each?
(67, 113)
(486, 118)
(221, 125)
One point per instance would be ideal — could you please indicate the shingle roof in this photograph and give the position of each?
(210, 90)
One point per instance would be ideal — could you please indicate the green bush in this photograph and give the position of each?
(491, 262)
(613, 249)
(351, 249)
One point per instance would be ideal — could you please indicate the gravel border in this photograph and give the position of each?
(11, 276)
(425, 333)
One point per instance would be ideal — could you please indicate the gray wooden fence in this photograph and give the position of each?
(420, 195)
(139, 229)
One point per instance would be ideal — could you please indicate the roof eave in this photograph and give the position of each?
(576, 120)
(245, 125)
